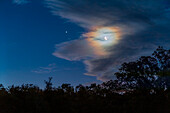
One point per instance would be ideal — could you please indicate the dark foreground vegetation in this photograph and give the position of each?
(141, 87)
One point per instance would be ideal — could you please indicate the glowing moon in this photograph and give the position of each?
(102, 38)
(105, 38)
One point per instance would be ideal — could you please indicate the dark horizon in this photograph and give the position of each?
(142, 86)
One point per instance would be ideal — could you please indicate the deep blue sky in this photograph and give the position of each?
(34, 44)
(28, 34)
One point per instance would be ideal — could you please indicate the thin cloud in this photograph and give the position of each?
(21, 2)
(51, 68)
(74, 50)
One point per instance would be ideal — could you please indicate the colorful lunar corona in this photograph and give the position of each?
(101, 38)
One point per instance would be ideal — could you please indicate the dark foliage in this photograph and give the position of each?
(147, 72)
(141, 87)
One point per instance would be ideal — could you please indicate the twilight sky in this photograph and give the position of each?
(77, 41)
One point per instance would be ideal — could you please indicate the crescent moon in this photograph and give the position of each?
(105, 38)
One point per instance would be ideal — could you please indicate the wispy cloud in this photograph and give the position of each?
(51, 68)
(21, 2)
(142, 26)
(74, 50)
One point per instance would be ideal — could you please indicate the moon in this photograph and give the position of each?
(102, 38)
(105, 38)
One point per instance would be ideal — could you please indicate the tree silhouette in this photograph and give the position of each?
(147, 71)
(48, 84)
(141, 87)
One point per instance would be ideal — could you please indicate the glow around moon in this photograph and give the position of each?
(105, 38)
(101, 38)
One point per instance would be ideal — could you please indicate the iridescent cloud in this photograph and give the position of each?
(118, 31)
